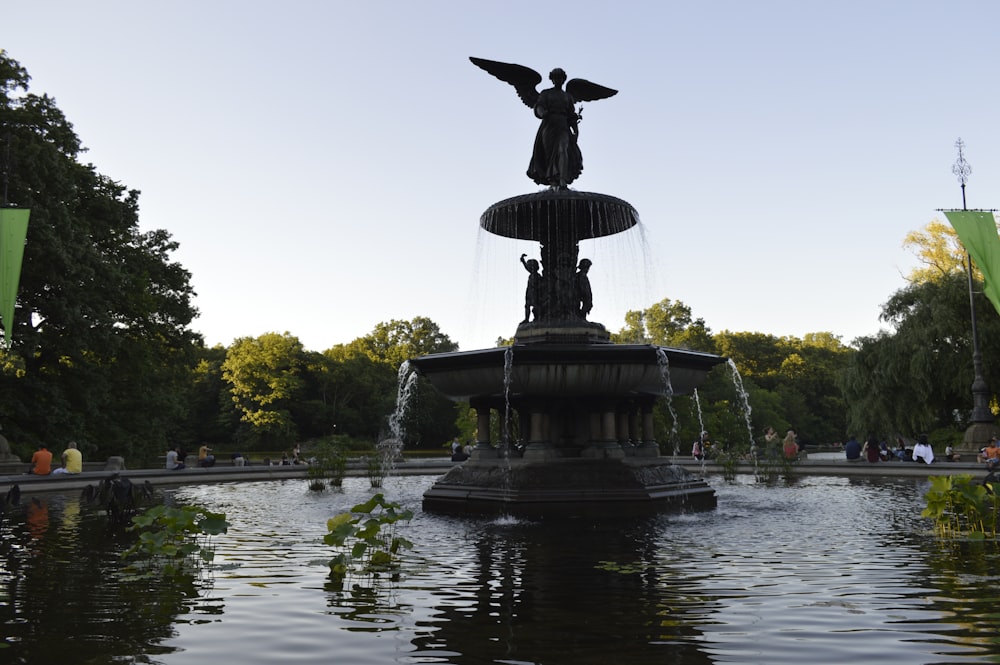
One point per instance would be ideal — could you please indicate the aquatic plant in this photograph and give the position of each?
(327, 465)
(376, 470)
(962, 507)
(366, 539)
(173, 539)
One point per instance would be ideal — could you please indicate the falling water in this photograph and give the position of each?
(743, 397)
(508, 369)
(391, 448)
(661, 357)
(697, 406)
(701, 428)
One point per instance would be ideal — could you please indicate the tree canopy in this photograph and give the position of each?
(101, 338)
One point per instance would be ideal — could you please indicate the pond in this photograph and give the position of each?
(820, 570)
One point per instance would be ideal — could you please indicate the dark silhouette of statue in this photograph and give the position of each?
(556, 159)
(533, 292)
(584, 296)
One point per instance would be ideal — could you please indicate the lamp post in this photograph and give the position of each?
(981, 423)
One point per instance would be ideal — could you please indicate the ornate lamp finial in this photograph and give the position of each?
(961, 168)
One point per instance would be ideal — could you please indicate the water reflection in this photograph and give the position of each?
(540, 591)
(823, 570)
(65, 599)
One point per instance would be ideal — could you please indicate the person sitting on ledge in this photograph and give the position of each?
(871, 449)
(72, 460)
(41, 461)
(991, 454)
(922, 451)
(852, 450)
(205, 456)
(174, 461)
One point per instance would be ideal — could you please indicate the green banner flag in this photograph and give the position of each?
(977, 229)
(13, 231)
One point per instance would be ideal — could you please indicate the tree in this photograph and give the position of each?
(101, 340)
(938, 248)
(431, 418)
(265, 378)
(397, 341)
(667, 323)
(358, 390)
(918, 378)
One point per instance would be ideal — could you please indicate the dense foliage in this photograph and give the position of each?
(919, 378)
(788, 383)
(101, 344)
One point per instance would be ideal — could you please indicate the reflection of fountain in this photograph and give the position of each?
(584, 405)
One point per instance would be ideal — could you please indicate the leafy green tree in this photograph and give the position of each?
(397, 341)
(101, 340)
(667, 323)
(265, 378)
(213, 416)
(359, 391)
(431, 420)
(919, 377)
(938, 249)
(796, 378)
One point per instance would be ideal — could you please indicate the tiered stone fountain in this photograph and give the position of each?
(583, 405)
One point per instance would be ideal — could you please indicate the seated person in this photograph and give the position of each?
(41, 461)
(205, 458)
(871, 450)
(901, 453)
(174, 461)
(922, 451)
(852, 450)
(991, 454)
(72, 460)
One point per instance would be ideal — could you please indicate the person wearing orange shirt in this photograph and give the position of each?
(41, 461)
(991, 454)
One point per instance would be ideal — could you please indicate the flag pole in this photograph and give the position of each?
(981, 414)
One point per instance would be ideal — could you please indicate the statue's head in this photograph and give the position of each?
(557, 76)
(585, 264)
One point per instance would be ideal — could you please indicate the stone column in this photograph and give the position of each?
(539, 444)
(483, 449)
(648, 447)
(605, 444)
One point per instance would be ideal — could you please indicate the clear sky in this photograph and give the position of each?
(324, 164)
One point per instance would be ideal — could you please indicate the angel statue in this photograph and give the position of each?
(556, 160)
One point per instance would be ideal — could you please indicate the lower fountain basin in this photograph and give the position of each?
(569, 487)
(566, 370)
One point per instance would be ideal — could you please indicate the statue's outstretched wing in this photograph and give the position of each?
(524, 79)
(584, 91)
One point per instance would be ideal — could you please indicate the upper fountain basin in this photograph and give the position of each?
(538, 216)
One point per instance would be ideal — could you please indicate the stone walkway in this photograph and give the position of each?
(217, 474)
(436, 466)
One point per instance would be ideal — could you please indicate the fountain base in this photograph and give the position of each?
(568, 487)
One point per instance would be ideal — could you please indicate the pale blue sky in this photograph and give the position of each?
(323, 165)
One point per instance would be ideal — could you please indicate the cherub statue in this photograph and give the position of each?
(532, 294)
(556, 159)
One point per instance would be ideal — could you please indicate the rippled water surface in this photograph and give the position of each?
(822, 570)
